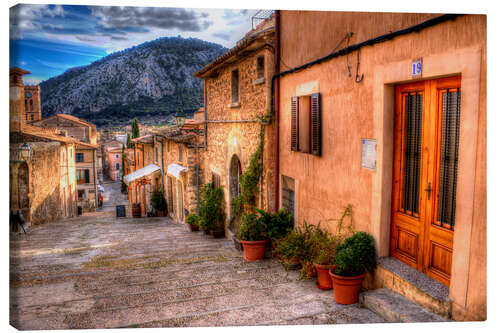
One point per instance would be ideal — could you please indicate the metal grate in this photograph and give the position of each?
(260, 16)
(413, 142)
(450, 132)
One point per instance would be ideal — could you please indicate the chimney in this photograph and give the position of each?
(17, 111)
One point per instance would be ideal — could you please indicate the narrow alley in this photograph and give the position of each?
(99, 271)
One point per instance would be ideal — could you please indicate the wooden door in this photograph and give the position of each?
(426, 133)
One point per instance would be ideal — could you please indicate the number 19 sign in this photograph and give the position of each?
(416, 68)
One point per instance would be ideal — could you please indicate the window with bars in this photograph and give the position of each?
(306, 124)
(412, 153)
(448, 164)
(79, 157)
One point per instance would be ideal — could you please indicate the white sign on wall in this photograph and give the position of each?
(369, 154)
(416, 68)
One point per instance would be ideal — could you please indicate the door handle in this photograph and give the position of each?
(428, 190)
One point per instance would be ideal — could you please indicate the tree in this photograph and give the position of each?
(135, 129)
(128, 140)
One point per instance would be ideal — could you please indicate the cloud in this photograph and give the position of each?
(119, 38)
(222, 35)
(123, 18)
(27, 17)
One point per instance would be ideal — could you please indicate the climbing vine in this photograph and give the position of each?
(249, 180)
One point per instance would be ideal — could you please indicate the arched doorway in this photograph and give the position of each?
(234, 179)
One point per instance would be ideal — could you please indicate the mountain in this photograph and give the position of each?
(148, 82)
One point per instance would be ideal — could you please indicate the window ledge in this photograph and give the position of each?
(258, 81)
(234, 105)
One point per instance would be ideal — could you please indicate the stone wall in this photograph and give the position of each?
(187, 179)
(44, 184)
(229, 133)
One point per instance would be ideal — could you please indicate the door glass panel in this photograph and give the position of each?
(448, 167)
(412, 153)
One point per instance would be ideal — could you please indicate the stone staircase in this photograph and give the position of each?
(395, 308)
(405, 294)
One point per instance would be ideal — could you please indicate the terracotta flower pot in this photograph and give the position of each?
(346, 288)
(254, 250)
(194, 228)
(323, 280)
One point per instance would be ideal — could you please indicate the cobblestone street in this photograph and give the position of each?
(97, 271)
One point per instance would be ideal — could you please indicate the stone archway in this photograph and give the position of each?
(234, 179)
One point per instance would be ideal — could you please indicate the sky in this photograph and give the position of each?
(49, 39)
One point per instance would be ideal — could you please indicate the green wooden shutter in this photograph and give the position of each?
(87, 176)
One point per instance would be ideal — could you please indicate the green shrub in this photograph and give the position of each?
(193, 219)
(278, 224)
(252, 228)
(356, 255)
(324, 250)
(211, 207)
(290, 247)
(158, 201)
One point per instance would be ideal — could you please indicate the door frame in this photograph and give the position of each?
(467, 62)
(431, 240)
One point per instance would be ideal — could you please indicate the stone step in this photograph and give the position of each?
(395, 308)
(412, 284)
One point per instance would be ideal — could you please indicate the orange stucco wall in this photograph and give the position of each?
(352, 111)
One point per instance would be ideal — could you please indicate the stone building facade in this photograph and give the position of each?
(44, 185)
(85, 156)
(75, 127)
(237, 100)
(375, 77)
(182, 170)
(86, 175)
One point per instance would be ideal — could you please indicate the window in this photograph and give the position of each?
(79, 157)
(235, 90)
(180, 153)
(156, 154)
(137, 158)
(81, 194)
(82, 176)
(117, 166)
(306, 124)
(117, 156)
(260, 67)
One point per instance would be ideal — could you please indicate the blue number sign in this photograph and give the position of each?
(416, 68)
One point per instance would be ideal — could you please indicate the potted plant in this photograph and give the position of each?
(211, 200)
(158, 202)
(193, 221)
(289, 249)
(323, 259)
(252, 235)
(352, 259)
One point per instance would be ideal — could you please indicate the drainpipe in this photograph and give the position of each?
(277, 47)
(205, 112)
